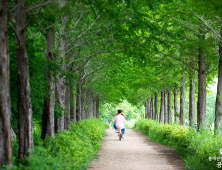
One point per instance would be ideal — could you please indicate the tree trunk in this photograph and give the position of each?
(23, 84)
(83, 102)
(218, 109)
(94, 107)
(89, 102)
(156, 106)
(192, 102)
(97, 107)
(147, 109)
(5, 104)
(182, 101)
(73, 106)
(175, 104)
(169, 107)
(162, 108)
(201, 114)
(78, 104)
(151, 107)
(146, 105)
(67, 122)
(165, 108)
(61, 86)
(49, 103)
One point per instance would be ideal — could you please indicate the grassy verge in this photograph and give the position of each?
(68, 150)
(200, 150)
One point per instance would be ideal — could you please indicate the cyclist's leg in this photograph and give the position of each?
(114, 125)
(124, 130)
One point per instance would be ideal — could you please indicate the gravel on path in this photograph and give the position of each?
(134, 152)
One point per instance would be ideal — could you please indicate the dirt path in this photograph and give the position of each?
(134, 152)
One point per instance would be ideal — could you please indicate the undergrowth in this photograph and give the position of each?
(69, 150)
(199, 149)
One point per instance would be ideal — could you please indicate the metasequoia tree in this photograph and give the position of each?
(5, 104)
(19, 15)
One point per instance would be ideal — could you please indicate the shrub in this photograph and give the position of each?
(198, 149)
(68, 150)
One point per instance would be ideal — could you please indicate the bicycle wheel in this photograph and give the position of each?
(120, 136)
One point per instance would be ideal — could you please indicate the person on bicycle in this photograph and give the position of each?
(114, 125)
(119, 121)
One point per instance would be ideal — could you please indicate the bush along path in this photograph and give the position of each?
(69, 150)
(134, 152)
(200, 150)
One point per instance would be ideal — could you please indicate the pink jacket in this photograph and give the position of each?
(119, 120)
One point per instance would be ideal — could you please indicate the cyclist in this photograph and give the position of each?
(114, 125)
(119, 121)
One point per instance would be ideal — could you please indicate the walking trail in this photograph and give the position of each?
(135, 152)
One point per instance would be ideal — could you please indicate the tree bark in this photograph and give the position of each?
(5, 101)
(145, 116)
(147, 109)
(201, 114)
(192, 102)
(49, 103)
(162, 108)
(67, 122)
(169, 107)
(78, 103)
(182, 101)
(89, 102)
(218, 109)
(23, 84)
(61, 85)
(175, 104)
(94, 107)
(156, 106)
(151, 107)
(97, 107)
(73, 107)
(83, 102)
(165, 108)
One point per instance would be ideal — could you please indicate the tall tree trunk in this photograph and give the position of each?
(89, 103)
(83, 102)
(146, 105)
(175, 104)
(23, 85)
(97, 107)
(218, 109)
(162, 108)
(5, 104)
(49, 103)
(67, 122)
(61, 85)
(151, 107)
(182, 101)
(147, 108)
(94, 107)
(165, 108)
(156, 106)
(201, 114)
(192, 102)
(78, 103)
(169, 107)
(73, 106)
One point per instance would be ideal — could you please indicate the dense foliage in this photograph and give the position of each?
(67, 150)
(200, 150)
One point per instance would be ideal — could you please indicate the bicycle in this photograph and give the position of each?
(120, 134)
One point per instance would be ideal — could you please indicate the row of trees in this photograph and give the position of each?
(186, 55)
(52, 56)
(60, 60)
